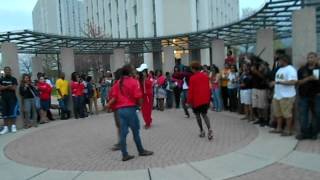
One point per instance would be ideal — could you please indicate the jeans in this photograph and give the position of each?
(78, 106)
(216, 99)
(29, 110)
(305, 104)
(128, 118)
(63, 104)
(177, 94)
(169, 99)
(184, 96)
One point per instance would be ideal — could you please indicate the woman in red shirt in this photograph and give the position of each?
(45, 96)
(199, 97)
(146, 85)
(77, 89)
(126, 95)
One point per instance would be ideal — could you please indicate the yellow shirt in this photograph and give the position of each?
(63, 86)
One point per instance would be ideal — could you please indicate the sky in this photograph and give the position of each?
(17, 14)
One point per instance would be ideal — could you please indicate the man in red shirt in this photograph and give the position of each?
(230, 59)
(199, 97)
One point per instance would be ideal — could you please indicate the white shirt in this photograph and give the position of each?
(232, 83)
(281, 91)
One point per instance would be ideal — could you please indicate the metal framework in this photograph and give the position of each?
(274, 14)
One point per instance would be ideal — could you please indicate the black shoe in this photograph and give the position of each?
(146, 153)
(127, 158)
(116, 147)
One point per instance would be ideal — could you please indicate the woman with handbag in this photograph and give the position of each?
(29, 96)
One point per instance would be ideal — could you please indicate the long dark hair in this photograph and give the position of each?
(126, 70)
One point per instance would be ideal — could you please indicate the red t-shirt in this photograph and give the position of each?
(44, 90)
(77, 88)
(199, 90)
(230, 60)
(130, 94)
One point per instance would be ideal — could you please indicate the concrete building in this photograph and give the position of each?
(150, 18)
(63, 17)
(136, 19)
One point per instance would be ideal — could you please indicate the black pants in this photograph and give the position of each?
(225, 97)
(233, 99)
(177, 93)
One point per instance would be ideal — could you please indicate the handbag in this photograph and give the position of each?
(36, 98)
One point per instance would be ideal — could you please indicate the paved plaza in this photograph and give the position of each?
(81, 149)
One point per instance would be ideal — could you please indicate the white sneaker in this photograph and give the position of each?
(13, 128)
(5, 130)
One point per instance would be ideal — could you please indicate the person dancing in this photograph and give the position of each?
(147, 91)
(199, 85)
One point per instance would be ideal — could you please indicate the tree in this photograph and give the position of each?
(25, 63)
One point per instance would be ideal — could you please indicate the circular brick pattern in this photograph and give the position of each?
(85, 144)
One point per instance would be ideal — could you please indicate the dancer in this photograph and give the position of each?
(147, 91)
(126, 94)
(199, 85)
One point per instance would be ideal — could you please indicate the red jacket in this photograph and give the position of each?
(199, 90)
(44, 90)
(77, 88)
(129, 95)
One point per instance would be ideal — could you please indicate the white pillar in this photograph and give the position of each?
(148, 59)
(67, 62)
(10, 58)
(36, 65)
(117, 60)
(185, 59)
(205, 56)
(303, 34)
(218, 53)
(168, 60)
(264, 46)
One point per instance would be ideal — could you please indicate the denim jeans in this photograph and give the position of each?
(29, 111)
(216, 99)
(63, 104)
(309, 128)
(169, 99)
(128, 118)
(78, 106)
(184, 96)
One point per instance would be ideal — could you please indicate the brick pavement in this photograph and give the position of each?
(84, 144)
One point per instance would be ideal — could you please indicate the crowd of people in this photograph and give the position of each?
(268, 97)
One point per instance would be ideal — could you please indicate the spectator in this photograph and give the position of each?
(260, 85)
(8, 85)
(309, 92)
(29, 95)
(233, 78)
(246, 92)
(224, 86)
(77, 92)
(160, 91)
(177, 77)
(230, 60)
(185, 86)
(169, 85)
(45, 96)
(62, 87)
(215, 88)
(284, 95)
(92, 95)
